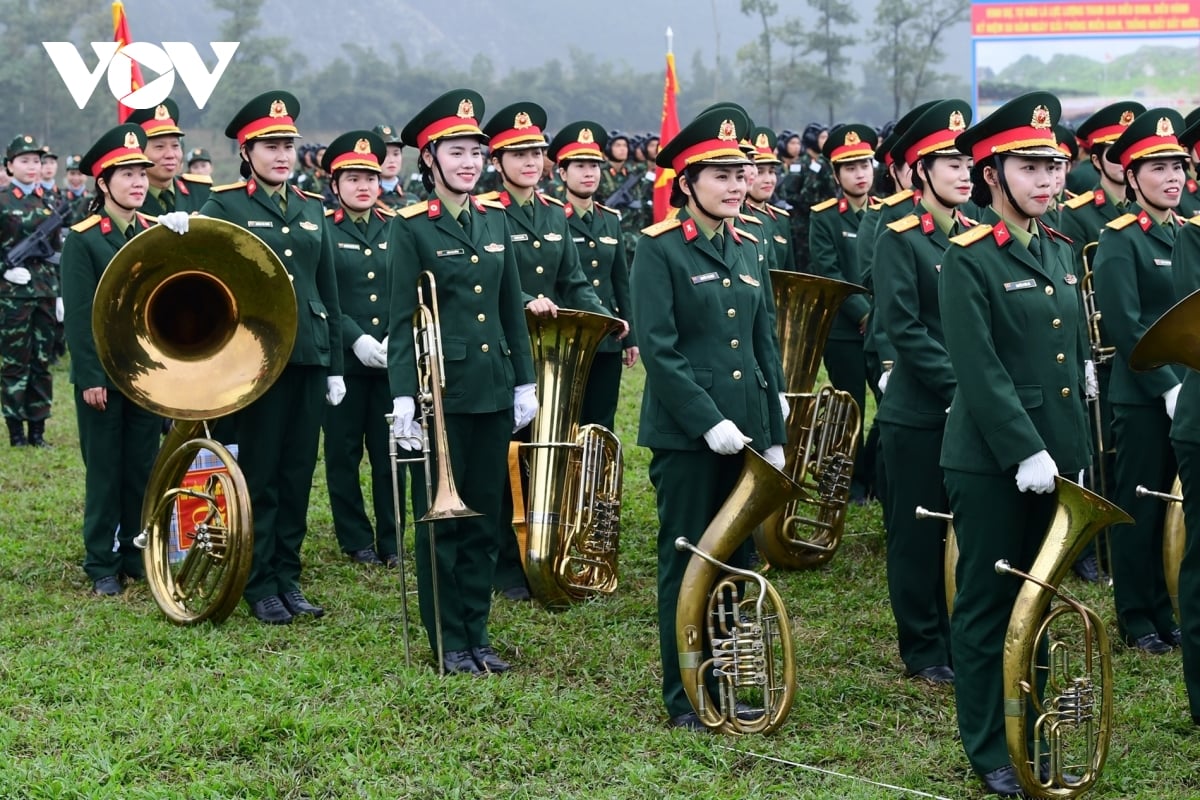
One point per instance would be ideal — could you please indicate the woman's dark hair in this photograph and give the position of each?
(244, 169)
(981, 193)
(678, 197)
(917, 182)
(425, 170)
(96, 204)
(1135, 168)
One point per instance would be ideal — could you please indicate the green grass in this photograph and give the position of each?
(104, 698)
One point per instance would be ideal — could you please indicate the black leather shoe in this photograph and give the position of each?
(517, 593)
(1002, 781)
(271, 611)
(460, 661)
(689, 722)
(295, 602)
(1150, 643)
(108, 586)
(391, 561)
(1087, 568)
(365, 556)
(938, 673)
(1174, 638)
(488, 661)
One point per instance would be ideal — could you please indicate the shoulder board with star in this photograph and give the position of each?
(552, 200)
(313, 195)
(830, 203)
(1195, 220)
(228, 186)
(1055, 233)
(778, 210)
(746, 234)
(904, 223)
(898, 197)
(490, 203)
(408, 212)
(972, 236)
(606, 208)
(329, 212)
(192, 177)
(1123, 221)
(486, 196)
(91, 221)
(1080, 200)
(659, 228)
(750, 219)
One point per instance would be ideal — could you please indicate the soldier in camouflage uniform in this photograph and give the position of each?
(30, 301)
(49, 174)
(622, 172)
(809, 181)
(76, 191)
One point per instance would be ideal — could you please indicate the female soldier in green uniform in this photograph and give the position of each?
(1134, 286)
(706, 341)
(1014, 327)
(489, 382)
(118, 438)
(277, 434)
(776, 222)
(920, 386)
(359, 231)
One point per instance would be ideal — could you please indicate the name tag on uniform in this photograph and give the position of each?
(577, 239)
(849, 234)
(1162, 262)
(348, 246)
(309, 226)
(607, 240)
(520, 237)
(705, 278)
(493, 247)
(552, 237)
(747, 279)
(1013, 286)
(259, 223)
(456, 252)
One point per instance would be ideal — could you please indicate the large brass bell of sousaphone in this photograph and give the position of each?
(195, 327)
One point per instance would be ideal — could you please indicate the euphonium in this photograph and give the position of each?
(737, 614)
(1072, 715)
(1174, 536)
(822, 428)
(194, 328)
(569, 540)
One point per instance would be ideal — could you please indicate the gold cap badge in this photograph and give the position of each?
(1165, 128)
(278, 109)
(466, 109)
(362, 147)
(727, 132)
(521, 121)
(586, 136)
(1126, 118)
(957, 123)
(851, 138)
(162, 113)
(1041, 117)
(131, 140)
(762, 142)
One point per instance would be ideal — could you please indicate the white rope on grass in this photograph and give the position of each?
(915, 792)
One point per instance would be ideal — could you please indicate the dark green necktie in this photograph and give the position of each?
(281, 201)
(168, 200)
(1169, 226)
(362, 226)
(719, 243)
(528, 209)
(464, 219)
(1035, 247)
(587, 218)
(131, 230)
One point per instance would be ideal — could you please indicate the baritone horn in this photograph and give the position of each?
(736, 614)
(194, 328)
(569, 537)
(1069, 720)
(822, 428)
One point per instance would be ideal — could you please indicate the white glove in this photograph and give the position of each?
(784, 406)
(525, 405)
(1091, 385)
(176, 221)
(883, 380)
(725, 439)
(60, 310)
(18, 275)
(370, 351)
(404, 427)
(1171, 397)
(774, 456)
(1036, 473)
(335, 389)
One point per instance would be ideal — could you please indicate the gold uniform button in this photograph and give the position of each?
(731, 313)
(1057, 323)
(367, 252)
(374, 297)
(539, 269)
(483, 347)
(482, 317)
(595, 263)
(737, 374)
(1049, 290)
(726, 283)
(474, 259)
(537, 243)
(1066, 392)
(734, 343)
(285, 229)
(288, 252)
(370, 276)
(595, 281)
(478, 289)
(591, 244)
(374, 320)
(1060, 358)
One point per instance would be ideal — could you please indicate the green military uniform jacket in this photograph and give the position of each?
(190, 193)
(547, 259)
(602, 258)
(1185, 259)
(875, 219)
(86, 254)
(1134, 286)
(79, 204)
(364, 288)
(922, 383)
(1189, 201)
(1015, 332)
(1083, 176)
(20, 215)
(302, 241)
(1083, 217)
(777, 229)
(394, 198)
(705, 338)
(486, 354)
(833, 253)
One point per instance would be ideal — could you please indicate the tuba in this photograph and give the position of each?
(194, 329)
(822, 428)
(1071, 717)
(569, 536)
(737, 613)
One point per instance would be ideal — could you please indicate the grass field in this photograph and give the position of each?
(105, 699)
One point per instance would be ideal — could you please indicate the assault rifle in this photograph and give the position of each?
(38, 246)
(623, 197)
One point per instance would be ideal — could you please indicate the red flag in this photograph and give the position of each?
(670, 127)
(121, 36)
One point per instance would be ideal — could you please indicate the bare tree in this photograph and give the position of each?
(909, 33)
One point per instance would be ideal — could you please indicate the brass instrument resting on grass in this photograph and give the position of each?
(736, 614)
(194, 328)
(822, 429)
(569, 530)
(1071, 716)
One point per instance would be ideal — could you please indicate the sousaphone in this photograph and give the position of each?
(195, 327)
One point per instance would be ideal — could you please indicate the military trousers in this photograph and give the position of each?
(465, 547)
(916, 548)
(603, 389)
(510, 565)
(1144, 456)
(26, 347)
(119, 445)
(1188, 454)
(358, 422)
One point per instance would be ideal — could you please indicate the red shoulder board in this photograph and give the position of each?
(1144, 221)
(733, 232)
(1000, 234)
(689, 230)
(251, 187)
(105, 225)
(17, 193)
(569, 210)
(181, 187)
(338, 216)
(927, 224)
(505, 198)
(435, 209)
(1055, 233)
(1099, 198)
(38, 191)
(843, 205)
